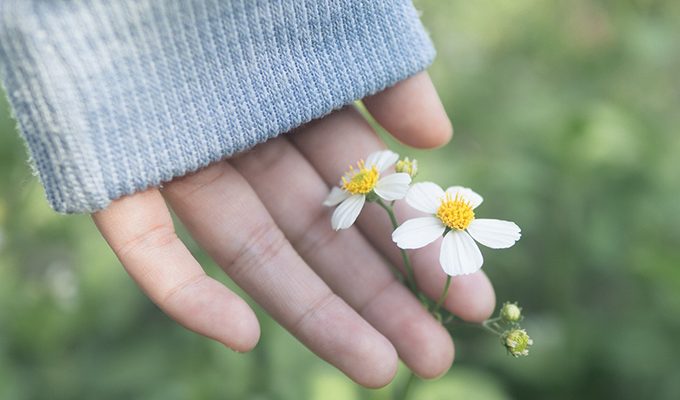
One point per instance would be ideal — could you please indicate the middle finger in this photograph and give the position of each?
(293, 193)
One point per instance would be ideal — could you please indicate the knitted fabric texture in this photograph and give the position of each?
(114, 97)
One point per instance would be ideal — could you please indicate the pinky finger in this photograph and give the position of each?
(412, 111)
(139, 229)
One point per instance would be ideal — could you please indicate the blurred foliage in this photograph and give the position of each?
(566, 116)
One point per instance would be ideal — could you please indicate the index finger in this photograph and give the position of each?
(140, 231)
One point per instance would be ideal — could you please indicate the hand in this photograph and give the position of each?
(260, 216)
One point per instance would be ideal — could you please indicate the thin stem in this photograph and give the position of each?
(442, 297)
(410, 279)
(403, 394)
(489, 325)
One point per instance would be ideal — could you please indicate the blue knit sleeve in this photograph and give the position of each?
(114, 97)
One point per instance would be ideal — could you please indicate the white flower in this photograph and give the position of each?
(452, 215)
(366, 180)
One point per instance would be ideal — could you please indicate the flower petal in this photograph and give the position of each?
(467, 193)
(459, 254)
(418, 232)
(347, 212)
(494, 233)
(382, 159)
(425, 197)
(335, 197)
(393, 187)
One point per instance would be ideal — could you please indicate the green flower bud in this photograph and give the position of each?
(511, 312)
(517, 341)
(407, 166)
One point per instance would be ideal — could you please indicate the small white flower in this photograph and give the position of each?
(366, 180)
(452, 215)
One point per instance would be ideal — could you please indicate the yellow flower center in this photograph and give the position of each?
(360, 180)
(455, 212)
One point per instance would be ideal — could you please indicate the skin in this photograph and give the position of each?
(259, 216)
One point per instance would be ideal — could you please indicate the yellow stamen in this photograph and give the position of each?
(360, 180)
(455, 212)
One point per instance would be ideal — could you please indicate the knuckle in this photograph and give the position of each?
(317, 235)
(264, 243)
(158, 236)
(189, 185)
(315, 311)
(165, 299)
(377, 295)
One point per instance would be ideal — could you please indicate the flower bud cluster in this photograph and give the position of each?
(515, 339)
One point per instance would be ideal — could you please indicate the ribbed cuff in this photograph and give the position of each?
(115, 97)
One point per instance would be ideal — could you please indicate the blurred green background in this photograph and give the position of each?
(566, 116)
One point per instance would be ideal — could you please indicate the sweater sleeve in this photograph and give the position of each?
(114, 97)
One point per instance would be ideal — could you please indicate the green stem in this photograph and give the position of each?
(410, 278)
(403, 394)
(442, 297)
(489, 325)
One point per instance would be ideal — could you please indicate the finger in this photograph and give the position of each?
(140, 231)
(339, 140)
(345, 260)
(227, 219)
(412, 112)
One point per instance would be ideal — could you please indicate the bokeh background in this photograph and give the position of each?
(566, 116)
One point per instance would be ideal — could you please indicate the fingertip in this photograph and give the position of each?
(436, 355)
(440, 364)
(412, 112)
(384, 363)
(472, 297)
(210, 309)
(336, 333)
(244, 334)
(435, 131)
(438, 132)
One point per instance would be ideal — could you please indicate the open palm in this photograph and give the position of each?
(260, 217)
